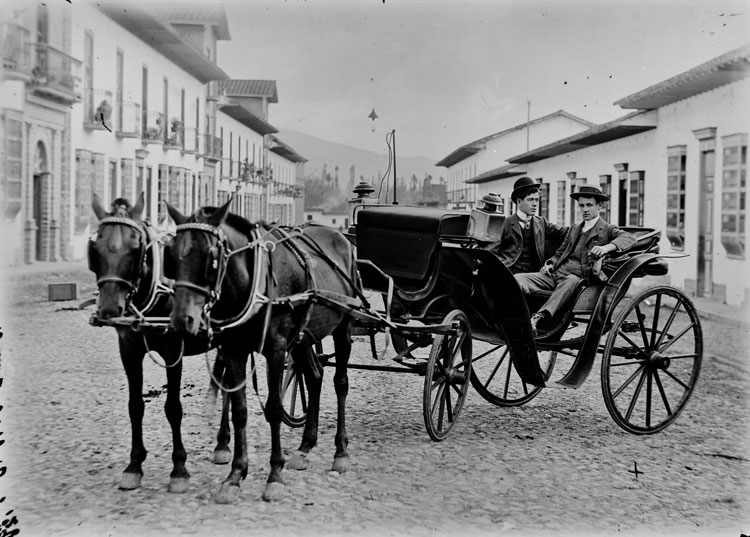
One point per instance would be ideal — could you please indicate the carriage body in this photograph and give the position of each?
(437, 265)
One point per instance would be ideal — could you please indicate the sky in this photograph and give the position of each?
(445, 73)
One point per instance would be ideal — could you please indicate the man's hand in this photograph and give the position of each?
(546, 268)
(599, 251)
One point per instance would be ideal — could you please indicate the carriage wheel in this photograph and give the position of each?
(495, 378)
(293, 394)
(446, 380)
(401, 343)
(651, 360)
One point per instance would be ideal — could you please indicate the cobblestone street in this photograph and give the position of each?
(556, 466)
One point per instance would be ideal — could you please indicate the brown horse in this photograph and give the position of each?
(262, 288)
(125, 255)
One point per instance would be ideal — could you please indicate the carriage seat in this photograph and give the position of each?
(647, 241)
(403, 241)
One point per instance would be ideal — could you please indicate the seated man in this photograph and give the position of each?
(521, 244)
(591, 238)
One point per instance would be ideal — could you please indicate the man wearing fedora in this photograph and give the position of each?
(584, 243)
(522, 239)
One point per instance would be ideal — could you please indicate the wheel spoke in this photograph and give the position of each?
(629, 362)
(655, 324)
(648, 398)
(448, 406)
(437, 402)
(628, 381)
(680, 356)
(493, 349)
(641, 326)
(637, 393)
(678, 336)
(668, 324)
(662, 392)
(631, 342)
(678, 381)
(507, 379)
(497, 366)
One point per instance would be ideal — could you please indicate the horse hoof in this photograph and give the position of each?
(273, 492)
(298, 461)
(341, 464)
(178, 485)
(222, 456)
(130, 481)
(227, 494)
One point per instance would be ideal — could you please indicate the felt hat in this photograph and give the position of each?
(589, 191)
(524, 186)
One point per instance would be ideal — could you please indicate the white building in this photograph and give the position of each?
(484, 159)
(678, 163)
(122, 99)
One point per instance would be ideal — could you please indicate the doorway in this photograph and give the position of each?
(704, 280)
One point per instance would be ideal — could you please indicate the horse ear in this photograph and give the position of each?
(96, 204)
(135, 212)
(175, 214)
(219, 215)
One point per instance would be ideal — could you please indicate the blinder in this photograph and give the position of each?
(169, 268)
(93, 257)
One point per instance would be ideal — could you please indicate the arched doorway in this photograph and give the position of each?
(40, 188)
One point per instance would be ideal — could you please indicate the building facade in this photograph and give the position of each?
(117, 102)
(677, 163)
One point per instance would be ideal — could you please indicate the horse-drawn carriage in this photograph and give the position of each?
(251, 287)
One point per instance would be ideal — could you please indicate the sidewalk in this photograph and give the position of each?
(707, 309)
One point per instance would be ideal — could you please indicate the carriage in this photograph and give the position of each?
(455, 315)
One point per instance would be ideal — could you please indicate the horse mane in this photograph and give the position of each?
(234, 220)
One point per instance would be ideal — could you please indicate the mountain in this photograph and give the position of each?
(367, 164)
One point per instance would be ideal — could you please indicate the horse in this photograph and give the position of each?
(273, 284)
(125, 255)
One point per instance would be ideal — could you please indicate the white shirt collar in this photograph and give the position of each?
(523, 216)
(588, 224)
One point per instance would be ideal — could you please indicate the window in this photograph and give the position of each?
(165, 111)
(112, 180)
(118, 90)
(733, 196)
(144, 101)
(543, 199)
(561, 202)
(605, 183)
(575, 184)
(676, 164)
(88, 74)
(309, 218)
(635, 214)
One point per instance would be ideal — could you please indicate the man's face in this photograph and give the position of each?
(589, 208)
(529, 204)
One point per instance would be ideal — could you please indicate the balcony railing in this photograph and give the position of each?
(176, 134)
(55, 73)
(15, 52)
(211, 146)
(153, 132)
(97, 106)
(192, 140)
(130, 120)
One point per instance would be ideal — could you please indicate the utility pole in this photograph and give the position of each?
(528, 122)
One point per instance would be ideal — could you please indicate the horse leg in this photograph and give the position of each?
(313, 371)
(235, 376)
(343, 348)
(131, 355)
(222, 453)
(275, 352)
(179, 478)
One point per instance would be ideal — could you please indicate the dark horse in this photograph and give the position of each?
(275, 281)
(125, 255)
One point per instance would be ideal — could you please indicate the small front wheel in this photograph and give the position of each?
(651, 360)
(293, 394)
(447, 376)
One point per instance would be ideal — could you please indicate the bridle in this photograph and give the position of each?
(146, 240)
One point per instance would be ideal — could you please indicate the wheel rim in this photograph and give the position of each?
(447, 377)
(495, 378)
(293, 395)
(651, 360)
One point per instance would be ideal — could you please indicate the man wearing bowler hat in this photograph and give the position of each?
(584, 243)
(522, 239)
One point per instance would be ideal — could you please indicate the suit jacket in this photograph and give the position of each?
(508, 248)
(603, 233)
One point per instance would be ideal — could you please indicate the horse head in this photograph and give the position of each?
(117, 254)
(201, 261)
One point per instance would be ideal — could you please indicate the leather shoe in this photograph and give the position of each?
(538, 317)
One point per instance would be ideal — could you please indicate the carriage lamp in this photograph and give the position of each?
(486, 221)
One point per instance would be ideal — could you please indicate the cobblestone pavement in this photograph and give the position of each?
(557, 466)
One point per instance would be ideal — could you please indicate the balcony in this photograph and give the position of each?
(215, 92)
(130, 120)
(97, 109)
(176, 134)
(153, 131)
(210, 147)
(55, 74)
(15, 52)
(192, 140)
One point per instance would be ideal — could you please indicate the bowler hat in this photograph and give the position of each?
(523, 186)
(589, 191)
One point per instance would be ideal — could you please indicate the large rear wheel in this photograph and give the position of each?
(651, 360)
(447, 375)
